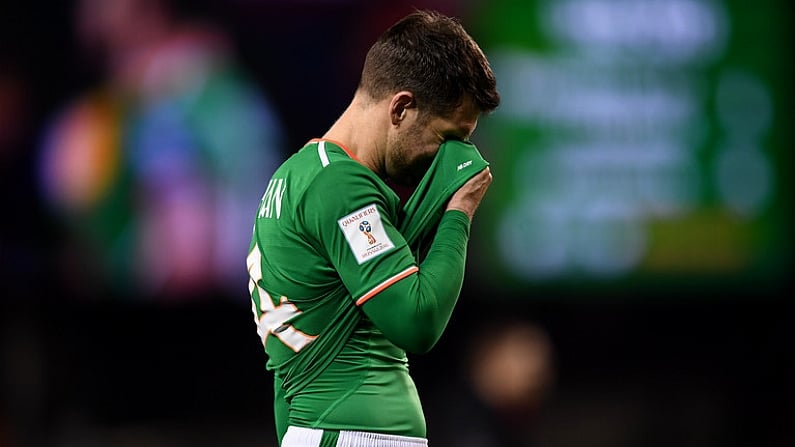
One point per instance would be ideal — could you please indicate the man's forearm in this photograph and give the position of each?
(413, 312)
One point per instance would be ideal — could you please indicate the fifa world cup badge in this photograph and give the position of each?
(364, 231)
(365, 228)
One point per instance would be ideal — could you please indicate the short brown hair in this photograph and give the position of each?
(432, 56)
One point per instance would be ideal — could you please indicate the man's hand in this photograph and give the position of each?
(468, 197)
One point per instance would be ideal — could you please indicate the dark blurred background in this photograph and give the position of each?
(627, 283)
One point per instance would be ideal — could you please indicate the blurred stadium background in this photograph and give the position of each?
(628, 274)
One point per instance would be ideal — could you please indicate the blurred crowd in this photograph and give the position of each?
(156, 169)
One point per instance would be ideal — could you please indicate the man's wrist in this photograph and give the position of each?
(460, 210)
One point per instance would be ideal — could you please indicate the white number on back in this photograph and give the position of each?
(271, 317)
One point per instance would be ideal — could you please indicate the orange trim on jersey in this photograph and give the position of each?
(344, 148)
(379, 288)
(286, 341)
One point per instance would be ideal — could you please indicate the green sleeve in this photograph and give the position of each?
(337, 191)
(281, 409)
(413, 312)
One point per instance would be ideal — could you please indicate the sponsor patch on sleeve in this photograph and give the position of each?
(365, 233)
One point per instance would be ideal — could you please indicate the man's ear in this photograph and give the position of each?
(399, 105)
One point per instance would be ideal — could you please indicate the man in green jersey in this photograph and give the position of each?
(338, 295)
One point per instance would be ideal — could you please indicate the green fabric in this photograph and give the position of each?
(329, 438)
(454, 164)
(306, 277)
(416, 324)
(336, 367)
(281, 410)
(303, 269)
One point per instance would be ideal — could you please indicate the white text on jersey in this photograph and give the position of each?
(272, 199)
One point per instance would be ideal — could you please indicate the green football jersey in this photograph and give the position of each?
(325, 241)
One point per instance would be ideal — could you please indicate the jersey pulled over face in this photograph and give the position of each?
(411, 150)
(324, 242)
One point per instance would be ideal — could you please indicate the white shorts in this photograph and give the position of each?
(310, 437)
